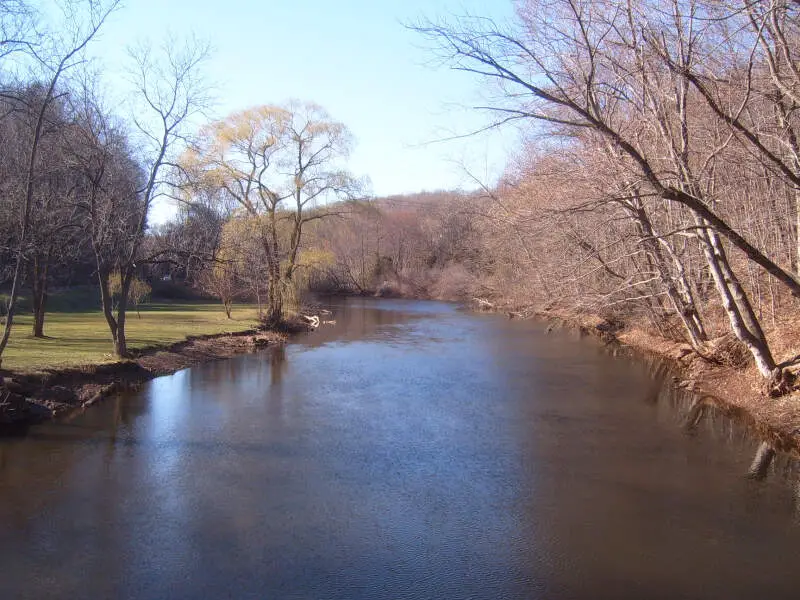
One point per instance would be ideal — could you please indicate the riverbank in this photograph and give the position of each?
(730, 382)
(29, 397)
(72, 368)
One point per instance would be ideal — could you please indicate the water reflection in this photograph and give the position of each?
(409, 451)
(707, 416)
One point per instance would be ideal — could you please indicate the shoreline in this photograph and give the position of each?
(732, 390)
(31, 397)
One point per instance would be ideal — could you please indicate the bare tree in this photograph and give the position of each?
(553, 71)
(605, 74)
(55, 232)
(169, 93)
(757, 100)
(64, 55)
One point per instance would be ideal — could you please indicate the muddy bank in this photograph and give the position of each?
(28, 398)
(729, 382)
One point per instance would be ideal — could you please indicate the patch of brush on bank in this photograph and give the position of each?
(31, 397)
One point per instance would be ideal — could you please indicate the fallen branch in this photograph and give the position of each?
(485, 304)
(312, 320)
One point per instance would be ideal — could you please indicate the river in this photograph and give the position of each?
(408, 451)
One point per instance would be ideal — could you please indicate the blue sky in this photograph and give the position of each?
(353, 57)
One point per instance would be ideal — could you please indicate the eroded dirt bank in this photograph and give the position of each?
(28, 398)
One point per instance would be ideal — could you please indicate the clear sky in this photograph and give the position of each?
(353, 57)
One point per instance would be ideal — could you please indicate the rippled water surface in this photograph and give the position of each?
(409, 451)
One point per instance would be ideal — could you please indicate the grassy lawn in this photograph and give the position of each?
(79, 338)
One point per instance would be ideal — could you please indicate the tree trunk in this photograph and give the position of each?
(682, 301)
(735, 302)
(121, 342)
(274, 299)
(685, 288)
(106, 302)
(38, 316)
(274, 293)
(39, 289)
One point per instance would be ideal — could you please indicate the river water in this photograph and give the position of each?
(408, 451)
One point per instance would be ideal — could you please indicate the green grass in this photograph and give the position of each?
(81, 338)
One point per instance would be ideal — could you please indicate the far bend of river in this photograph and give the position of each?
(409, 451)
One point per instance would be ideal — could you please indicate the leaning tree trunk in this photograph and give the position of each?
(734, 300)
(682, 303)
(685, 288)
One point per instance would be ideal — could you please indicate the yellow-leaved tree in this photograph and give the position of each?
(284, 166)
